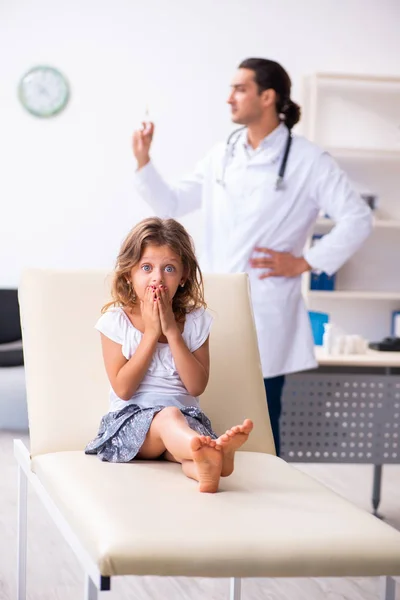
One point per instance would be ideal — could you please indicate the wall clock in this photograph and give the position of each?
(44, 91)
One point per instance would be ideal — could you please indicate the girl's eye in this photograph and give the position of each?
(146, 268)
(170, 269)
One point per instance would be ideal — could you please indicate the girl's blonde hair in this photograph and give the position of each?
(158, 232)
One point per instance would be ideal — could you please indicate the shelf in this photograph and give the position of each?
(377, 223)
(353, 295)
(386, 223)
(355, 78)
(363, 153)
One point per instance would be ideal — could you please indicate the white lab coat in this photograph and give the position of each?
(249, 212)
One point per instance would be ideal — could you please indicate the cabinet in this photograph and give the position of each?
(356, 119)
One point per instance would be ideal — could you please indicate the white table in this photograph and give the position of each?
(372, 358)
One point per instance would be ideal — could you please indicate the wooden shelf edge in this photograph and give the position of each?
(352, 295)
(377, 223)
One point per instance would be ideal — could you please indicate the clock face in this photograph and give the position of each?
(44, 91)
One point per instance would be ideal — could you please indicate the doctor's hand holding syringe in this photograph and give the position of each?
(142, 139)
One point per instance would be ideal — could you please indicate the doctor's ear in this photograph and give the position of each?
(269, 97)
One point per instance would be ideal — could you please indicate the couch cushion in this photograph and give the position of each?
(269, 520)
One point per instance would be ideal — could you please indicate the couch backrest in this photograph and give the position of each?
(67, 387)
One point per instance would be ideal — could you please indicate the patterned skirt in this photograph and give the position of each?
(122, 433)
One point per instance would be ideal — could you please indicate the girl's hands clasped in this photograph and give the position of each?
(167, 317)
(149, 307)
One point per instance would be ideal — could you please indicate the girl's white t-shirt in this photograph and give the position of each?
(161, 384)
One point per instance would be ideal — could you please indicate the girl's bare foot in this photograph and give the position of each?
(207, 457)
(231, 441)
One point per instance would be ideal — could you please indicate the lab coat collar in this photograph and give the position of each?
(270, 148)
(272, 140)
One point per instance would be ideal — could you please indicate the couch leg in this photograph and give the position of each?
(388, 588)
(236, 588)
(22, 533)
(90, 589)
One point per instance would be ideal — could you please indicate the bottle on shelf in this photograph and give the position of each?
(328, 338)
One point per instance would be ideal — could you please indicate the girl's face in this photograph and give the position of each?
(158, 265)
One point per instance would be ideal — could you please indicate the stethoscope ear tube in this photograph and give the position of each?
(230, 148)
(232, 135)
(282, 168)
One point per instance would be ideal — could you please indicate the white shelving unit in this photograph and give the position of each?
(356, 119)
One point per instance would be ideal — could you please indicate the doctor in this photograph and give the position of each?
(259, 195)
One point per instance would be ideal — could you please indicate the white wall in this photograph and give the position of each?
(66, 194)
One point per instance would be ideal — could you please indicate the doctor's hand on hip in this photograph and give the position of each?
(141, 143)
(279, 264)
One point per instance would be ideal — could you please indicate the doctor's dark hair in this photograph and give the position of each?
(269, 74)
(158, 232)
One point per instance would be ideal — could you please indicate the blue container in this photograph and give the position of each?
(329, 282)
(316, 281)
(322, 282)
(318, 320)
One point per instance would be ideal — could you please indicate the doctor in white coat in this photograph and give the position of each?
(257, 209)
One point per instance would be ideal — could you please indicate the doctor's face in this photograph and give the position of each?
(247, 104)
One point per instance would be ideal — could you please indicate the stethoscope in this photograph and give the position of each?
(230, 151)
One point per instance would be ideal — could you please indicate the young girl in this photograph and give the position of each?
(155, 341)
